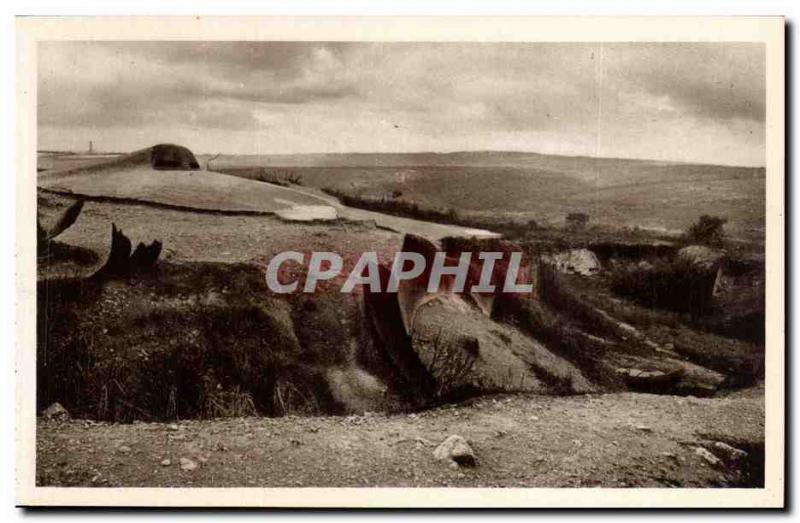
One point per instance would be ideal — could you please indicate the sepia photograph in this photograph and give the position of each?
(397, 258)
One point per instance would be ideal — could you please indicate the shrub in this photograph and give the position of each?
(675, 285)
(451, 364)
(396, 205)
(121, 354)
(577, 220)
(708, 230)
(281, 177)
(233, 403)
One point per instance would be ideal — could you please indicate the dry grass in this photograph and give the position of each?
(451, 363)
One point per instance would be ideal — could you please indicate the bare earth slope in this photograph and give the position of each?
(615, 440)
(131, 179)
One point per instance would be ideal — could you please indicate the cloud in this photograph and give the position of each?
(103, 84)
(578, 98)
(713, 80)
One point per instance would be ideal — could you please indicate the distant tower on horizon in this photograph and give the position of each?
(91, 147)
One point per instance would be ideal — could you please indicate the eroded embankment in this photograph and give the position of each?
(196, 340)
(199, 340)
(206, 340)
(202, 340)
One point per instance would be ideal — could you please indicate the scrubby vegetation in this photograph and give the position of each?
(275, 175)
(173, 346)
(562, 336)
(398, 206)
(583, 305)
(281, 177)
(672, 284)
(708, 230)
(577, 220)
(452, 365)
(529, 234)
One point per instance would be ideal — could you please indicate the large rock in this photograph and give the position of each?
(188, 465)
(661, 374)
(576, 261)
(55, 412)
(704, 261)
(710, 458)
(728, 453)
(649, 378)
(456, 449)
(467, 353)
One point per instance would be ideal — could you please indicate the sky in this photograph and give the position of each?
(692, 102)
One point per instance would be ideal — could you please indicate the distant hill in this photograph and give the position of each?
(626, 192)
(597, 171)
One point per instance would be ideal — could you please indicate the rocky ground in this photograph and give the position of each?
(612, 440)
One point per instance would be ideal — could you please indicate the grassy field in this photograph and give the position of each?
(525, 186)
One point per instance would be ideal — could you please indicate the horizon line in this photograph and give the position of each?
(459, 151)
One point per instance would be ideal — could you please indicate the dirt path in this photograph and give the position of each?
(616, 440)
